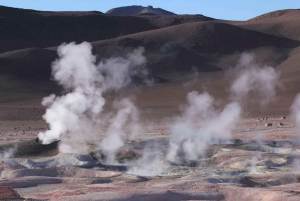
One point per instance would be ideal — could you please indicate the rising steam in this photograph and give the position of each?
(295, 112)
(202, 124)
(127, 114)
(252, 78)
(77, 113)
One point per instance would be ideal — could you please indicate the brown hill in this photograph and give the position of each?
(171, 20)
(136, 10)
(279, 15)
(33, 63)
(206, 47)
(282, 23)
(21, 28)
(176, 46)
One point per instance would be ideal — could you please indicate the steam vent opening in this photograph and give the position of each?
(155, 106)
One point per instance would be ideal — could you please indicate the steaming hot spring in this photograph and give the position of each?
(99, 146)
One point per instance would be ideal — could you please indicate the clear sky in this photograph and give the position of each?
(221, 9)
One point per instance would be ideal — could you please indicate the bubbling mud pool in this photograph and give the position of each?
(223, 163)
(255, 164)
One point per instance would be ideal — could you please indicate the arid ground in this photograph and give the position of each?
(260, 160)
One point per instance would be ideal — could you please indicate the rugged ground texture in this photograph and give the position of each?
(247, 168)
(184, 53)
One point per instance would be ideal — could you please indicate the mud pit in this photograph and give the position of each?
(249, 167)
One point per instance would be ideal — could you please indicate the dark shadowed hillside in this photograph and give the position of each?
(20, 28)
(27, 28)
(172, 52)
(176, 46)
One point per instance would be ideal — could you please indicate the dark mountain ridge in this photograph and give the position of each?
(136, 10)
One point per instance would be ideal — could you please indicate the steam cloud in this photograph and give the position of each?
(78, 112)
(128, 114)
(202, 124)
(151, 163)
(250, 77)
(7, 153)
(295, 111)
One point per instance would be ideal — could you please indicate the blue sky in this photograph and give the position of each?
(221, 9)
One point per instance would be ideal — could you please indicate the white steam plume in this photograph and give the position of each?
(75, 70)
(151, 163)
(295, 112)
(250, 77)
(9, 153)
(119, 71)
(77, 113)
(200, 125)
(127, 116)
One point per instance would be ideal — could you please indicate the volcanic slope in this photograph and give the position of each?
(207, 47)
(135, 10)
(200, 44)
(33, 63)
(176, 47)
(21, 28)
(282, 23)
(176, 50)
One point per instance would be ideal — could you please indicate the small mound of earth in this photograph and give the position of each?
(8, 193)
(31, 148)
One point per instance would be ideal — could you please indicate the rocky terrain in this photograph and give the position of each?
(235, 131)
(252, 168)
